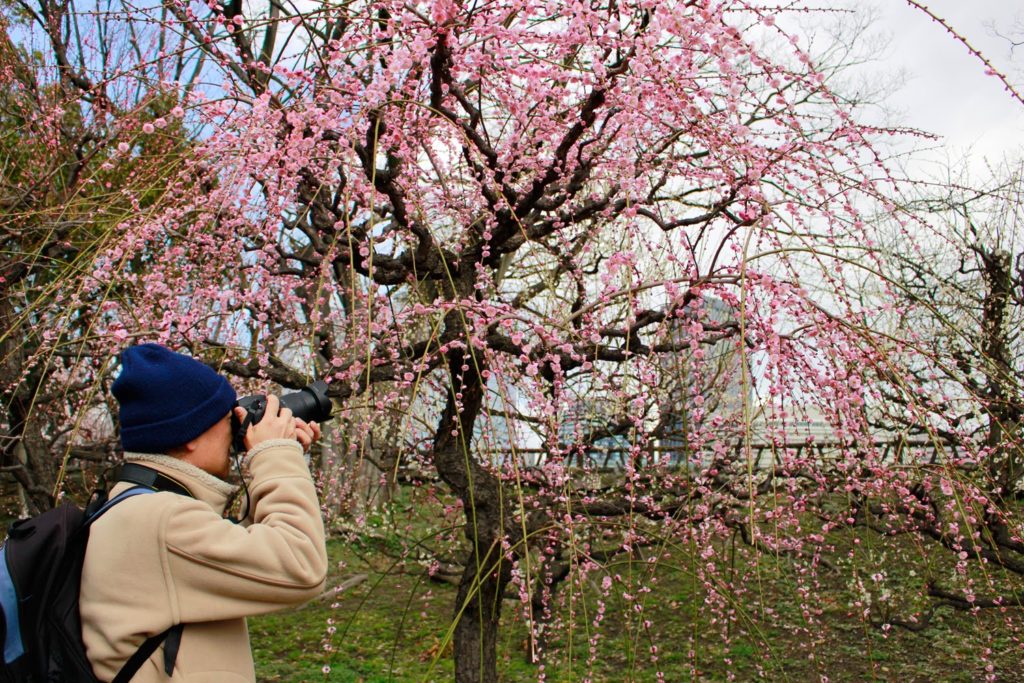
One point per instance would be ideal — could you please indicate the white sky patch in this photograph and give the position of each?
(944, 89)
(947, 91)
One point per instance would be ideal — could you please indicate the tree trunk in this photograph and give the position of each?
(35, 472)
(1004, 411)
(478, 611)
(24, 452)
(489, 523)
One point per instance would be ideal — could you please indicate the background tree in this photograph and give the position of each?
(87, 137)
(955, 256)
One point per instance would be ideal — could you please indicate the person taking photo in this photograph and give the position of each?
(169, 566)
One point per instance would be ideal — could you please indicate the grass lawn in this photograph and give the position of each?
(395, 626)
(390, 624)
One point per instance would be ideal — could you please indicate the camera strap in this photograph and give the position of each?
(238, 431)
(144, 476)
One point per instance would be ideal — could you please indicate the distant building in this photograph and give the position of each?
(703, 382)
(702, 385)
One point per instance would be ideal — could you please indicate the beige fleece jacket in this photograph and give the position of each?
(162, 558)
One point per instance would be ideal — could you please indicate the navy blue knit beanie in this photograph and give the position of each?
(167, 399)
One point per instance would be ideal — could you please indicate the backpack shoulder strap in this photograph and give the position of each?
(172, 636)
(134, 491)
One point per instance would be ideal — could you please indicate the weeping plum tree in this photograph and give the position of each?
(479, 219)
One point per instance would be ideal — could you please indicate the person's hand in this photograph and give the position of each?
(277, 423)
(306, 433)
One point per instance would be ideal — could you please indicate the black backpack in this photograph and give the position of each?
(40, 572)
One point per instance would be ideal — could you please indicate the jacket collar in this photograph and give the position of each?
(202, 485)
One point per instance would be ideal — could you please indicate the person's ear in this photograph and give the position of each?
(184, 449)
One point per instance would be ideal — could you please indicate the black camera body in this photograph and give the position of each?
(310, 404)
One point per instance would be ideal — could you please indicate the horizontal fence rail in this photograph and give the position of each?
(761, 455)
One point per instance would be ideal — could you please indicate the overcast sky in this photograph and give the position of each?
(946, 91)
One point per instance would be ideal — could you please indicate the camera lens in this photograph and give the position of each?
(310, 404)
